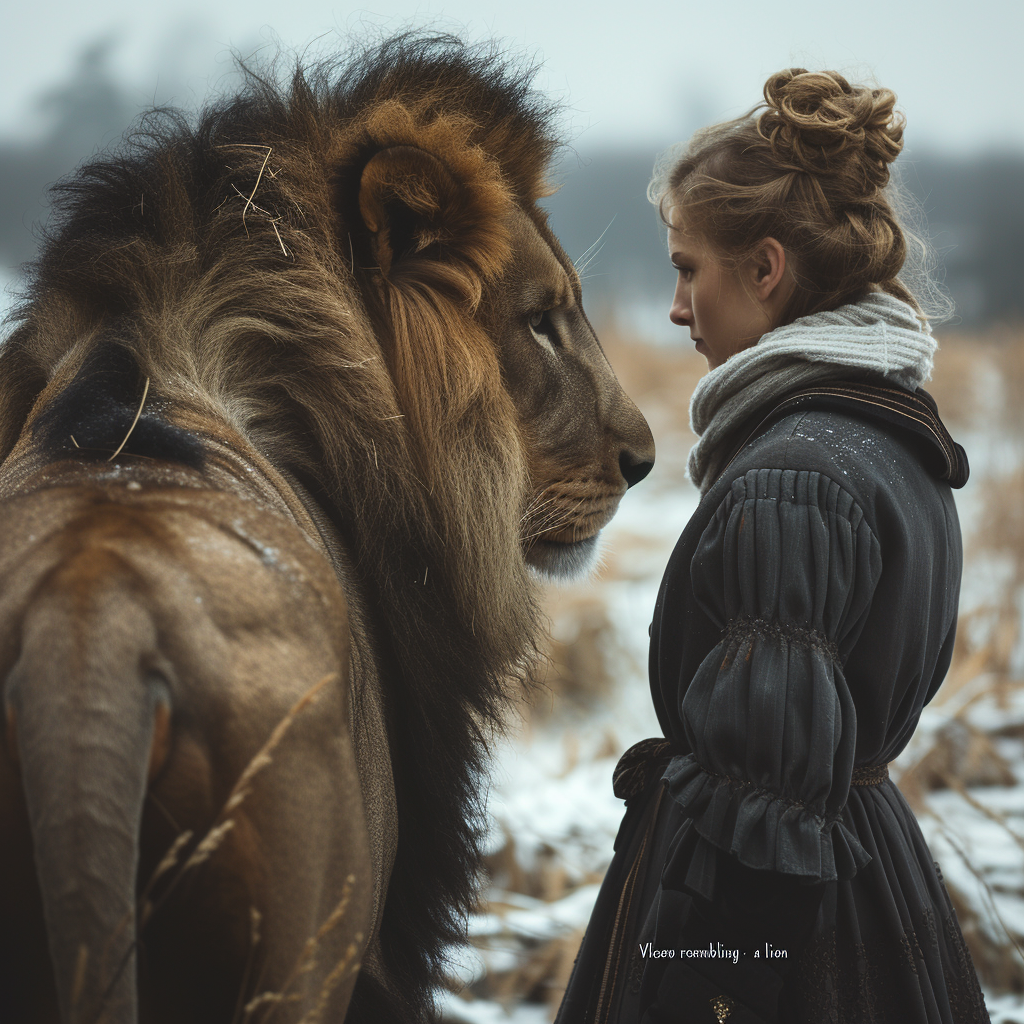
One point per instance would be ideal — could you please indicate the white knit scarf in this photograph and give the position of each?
(879, 333)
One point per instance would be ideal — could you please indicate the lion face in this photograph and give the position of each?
(585, 441)
(446, 235)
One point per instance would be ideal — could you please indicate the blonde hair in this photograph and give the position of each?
(809, 167)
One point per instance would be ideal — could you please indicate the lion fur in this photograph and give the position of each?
(228, 257)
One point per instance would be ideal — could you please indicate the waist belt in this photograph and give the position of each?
(646, 761)
(641, 765)
(870, 775)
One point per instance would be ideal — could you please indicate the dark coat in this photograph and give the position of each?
(805, 618)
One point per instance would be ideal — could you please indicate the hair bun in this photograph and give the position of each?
(818, 123)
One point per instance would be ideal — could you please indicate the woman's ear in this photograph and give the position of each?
(768, 270)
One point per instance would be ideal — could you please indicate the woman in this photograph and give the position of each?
(767, 868)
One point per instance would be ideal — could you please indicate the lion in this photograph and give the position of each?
(299, 408)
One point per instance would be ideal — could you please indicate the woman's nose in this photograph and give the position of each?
(680, 313)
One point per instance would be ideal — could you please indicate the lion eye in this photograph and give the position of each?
(543, 329)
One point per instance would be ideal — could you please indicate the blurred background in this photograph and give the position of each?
(633, 80)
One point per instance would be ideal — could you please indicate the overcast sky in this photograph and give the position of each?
(632, 71)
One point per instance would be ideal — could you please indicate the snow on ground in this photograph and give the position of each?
(1004, 1009)
(458, 1011)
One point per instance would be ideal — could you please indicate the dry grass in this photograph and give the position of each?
(978, 383)
(349, 963)
(956, 383)
(576, 666)
(980, 376)
(208, 845)
(222, 824)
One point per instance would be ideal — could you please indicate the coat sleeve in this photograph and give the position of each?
(786, 569)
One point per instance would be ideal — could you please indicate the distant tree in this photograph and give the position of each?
(83, 116)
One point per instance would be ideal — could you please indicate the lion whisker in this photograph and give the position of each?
(548, 521)
(565, 517)
(593, 251)
(536, 504)
(530, 512)
(546, 527)
(549, 510)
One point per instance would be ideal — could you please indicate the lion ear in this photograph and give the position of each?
(414, 203)
(408, 200)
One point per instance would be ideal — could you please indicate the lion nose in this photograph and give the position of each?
(634, 467)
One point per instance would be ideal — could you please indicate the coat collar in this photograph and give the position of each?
(913, 412)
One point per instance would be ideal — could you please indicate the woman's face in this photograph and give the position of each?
(723, 316)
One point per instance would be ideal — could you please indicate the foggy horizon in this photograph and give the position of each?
(649, 80)
(627, 93)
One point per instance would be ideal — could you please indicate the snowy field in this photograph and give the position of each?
(553, 816)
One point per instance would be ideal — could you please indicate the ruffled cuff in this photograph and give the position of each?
(762, 829)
